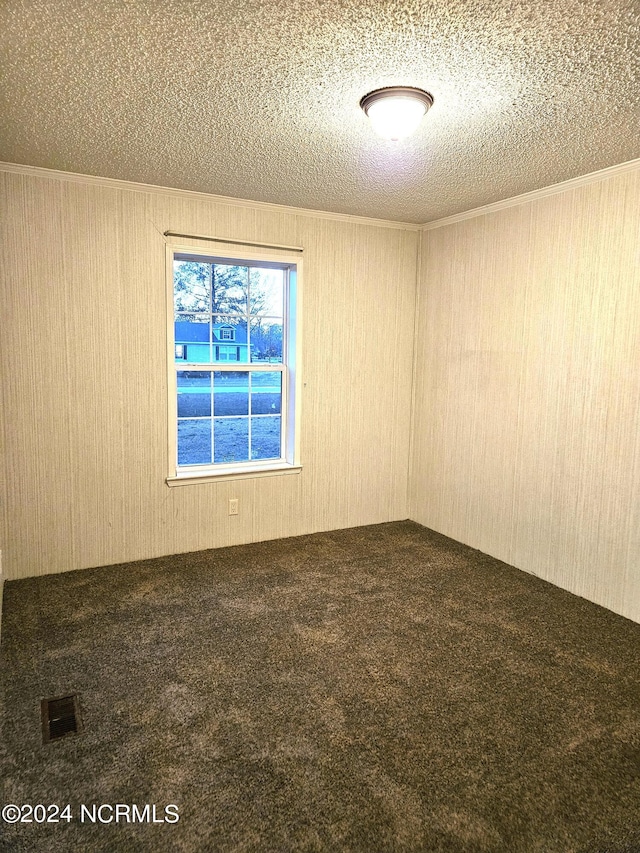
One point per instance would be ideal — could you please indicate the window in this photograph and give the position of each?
(234, 373)
(227, 354)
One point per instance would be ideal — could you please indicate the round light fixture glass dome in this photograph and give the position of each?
(396, 111)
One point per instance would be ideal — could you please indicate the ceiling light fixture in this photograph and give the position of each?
(396, 111)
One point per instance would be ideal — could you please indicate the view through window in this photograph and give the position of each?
(233, 357)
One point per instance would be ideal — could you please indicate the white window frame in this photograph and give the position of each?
(290, 368)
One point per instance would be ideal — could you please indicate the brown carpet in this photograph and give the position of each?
(375, 689)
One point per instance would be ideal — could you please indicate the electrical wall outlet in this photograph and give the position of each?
(233, 506)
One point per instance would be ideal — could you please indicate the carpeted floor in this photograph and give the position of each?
(375, 689)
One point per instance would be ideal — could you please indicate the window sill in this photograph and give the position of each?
(190, 478)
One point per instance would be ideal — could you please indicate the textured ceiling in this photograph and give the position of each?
(258, 99)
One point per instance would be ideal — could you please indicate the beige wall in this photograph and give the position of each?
(84, 377)
(526, 437)
(526, 390)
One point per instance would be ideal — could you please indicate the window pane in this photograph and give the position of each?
(230, 393)
(194, 442)
(266, 340)
(229, 289)
(191, 333)
(266, 292)
(229, 335)
(231, 439)
(194, 394)
(266, 393)
(265, 438)
(191, 286)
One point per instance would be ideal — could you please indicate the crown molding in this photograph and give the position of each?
(131, 186)
(494, 207)
(534, 195)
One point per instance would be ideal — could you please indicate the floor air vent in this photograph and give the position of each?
(60, 717)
